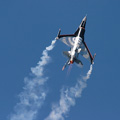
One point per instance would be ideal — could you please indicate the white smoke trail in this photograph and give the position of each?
(34, 93)
(67, 98)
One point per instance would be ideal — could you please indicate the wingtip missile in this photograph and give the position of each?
(58, 34)
(93, 58)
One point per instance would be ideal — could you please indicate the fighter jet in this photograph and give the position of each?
(77, 45)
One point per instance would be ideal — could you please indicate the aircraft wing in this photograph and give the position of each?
(69, 41)
(85, 52)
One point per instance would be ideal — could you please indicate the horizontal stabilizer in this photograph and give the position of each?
(79, 62)
(67, 53)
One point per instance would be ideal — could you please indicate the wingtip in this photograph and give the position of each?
(56, 38)
(58, 34)
(93, 58)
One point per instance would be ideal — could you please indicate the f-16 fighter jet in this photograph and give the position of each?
(77, 45)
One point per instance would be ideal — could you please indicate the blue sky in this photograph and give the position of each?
(28, 26)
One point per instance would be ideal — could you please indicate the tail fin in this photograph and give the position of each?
(65, 65)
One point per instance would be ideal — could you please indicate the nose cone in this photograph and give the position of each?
(85, 19)
(83, 23)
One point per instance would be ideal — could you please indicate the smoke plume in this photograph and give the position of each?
(34, 93)
(67, 98)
